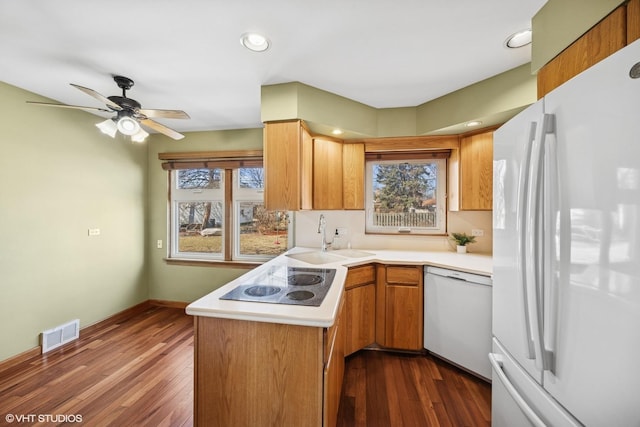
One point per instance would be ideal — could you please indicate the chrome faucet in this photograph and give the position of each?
(322, 225)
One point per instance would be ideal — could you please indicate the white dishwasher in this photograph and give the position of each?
(457, 318)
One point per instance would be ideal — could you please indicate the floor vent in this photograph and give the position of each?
(54, 338)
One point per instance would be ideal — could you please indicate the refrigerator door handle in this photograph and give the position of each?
(551, 203)
(496, 364)
(533, 270)
(523, 232)
(536, 274)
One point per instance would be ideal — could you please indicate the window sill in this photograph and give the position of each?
(212, 263)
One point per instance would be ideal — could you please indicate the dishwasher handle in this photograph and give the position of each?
(459, 275)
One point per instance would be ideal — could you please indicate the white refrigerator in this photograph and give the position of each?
(566, 275)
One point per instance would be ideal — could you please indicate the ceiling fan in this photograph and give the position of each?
(129, 114)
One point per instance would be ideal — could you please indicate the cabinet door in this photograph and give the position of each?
(360, 308)
(476, 172)
(399, 307)
(334, 372)
(327, 174)
(353, 175)
(360, 315)
(403, 329)
(282, 168)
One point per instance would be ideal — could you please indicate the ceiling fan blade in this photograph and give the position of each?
(162, 129)
(164, 114)
(98, 96)
(79, 107)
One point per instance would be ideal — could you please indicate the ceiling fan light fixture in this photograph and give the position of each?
(140, 136)
(128, 125)
(519, 39)
(108, 127)
(255, 42)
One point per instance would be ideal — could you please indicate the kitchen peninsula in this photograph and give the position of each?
(280, 364)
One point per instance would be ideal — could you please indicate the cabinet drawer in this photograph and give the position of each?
(360, 276)
(404, 275)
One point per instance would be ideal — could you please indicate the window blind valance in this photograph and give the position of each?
(409, 155)
(211, 159)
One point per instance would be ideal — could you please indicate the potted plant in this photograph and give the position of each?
(462, 240)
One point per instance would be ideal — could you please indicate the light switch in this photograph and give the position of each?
(94, 232)
(159, 244)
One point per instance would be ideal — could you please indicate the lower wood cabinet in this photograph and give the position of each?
(256, 373)
(334, 369)
(399, 306)
(360, 308)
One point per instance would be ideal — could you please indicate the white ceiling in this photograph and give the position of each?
(186, 54)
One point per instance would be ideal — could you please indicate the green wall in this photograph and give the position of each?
(58, 178)
(492, 101)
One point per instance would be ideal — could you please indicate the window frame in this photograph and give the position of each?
(177, 196)
(440, 157)
(228, 162)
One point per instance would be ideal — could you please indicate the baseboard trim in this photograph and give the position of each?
(170, 304)
(94, 328)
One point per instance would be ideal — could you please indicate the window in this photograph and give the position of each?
(218, 214)
(406, 195)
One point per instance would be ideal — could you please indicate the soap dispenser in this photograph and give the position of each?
(337, 241)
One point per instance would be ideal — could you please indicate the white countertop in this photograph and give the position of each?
(323, 316)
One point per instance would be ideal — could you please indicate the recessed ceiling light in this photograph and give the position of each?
(519, 39)
(255, 42)
(473, 123)
(336, 132)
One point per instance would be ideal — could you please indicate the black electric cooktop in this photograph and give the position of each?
(286, 285)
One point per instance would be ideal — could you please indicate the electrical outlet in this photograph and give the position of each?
(477, 232)
(94, 232)
(159, 244)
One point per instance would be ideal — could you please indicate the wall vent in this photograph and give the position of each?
(54, 338)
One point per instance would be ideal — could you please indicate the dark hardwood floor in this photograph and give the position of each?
(136, 372)
(139, 371)
(384, 389)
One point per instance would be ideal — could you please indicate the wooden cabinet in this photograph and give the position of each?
(288, 158)
(353, 176)
(327, 174)
(476, 172)
(305, 172)
(605, 38)
(334, 369)
(257, 373)
(360, 308)
(633, 21)
(399, 306)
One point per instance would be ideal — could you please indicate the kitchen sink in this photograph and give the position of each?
(316, 257)
(352, 253)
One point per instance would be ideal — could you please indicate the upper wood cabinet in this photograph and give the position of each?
(327, 173)
(305, 172)
(476, 172)
(288, 160)
(605, 38)
(353, 176)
